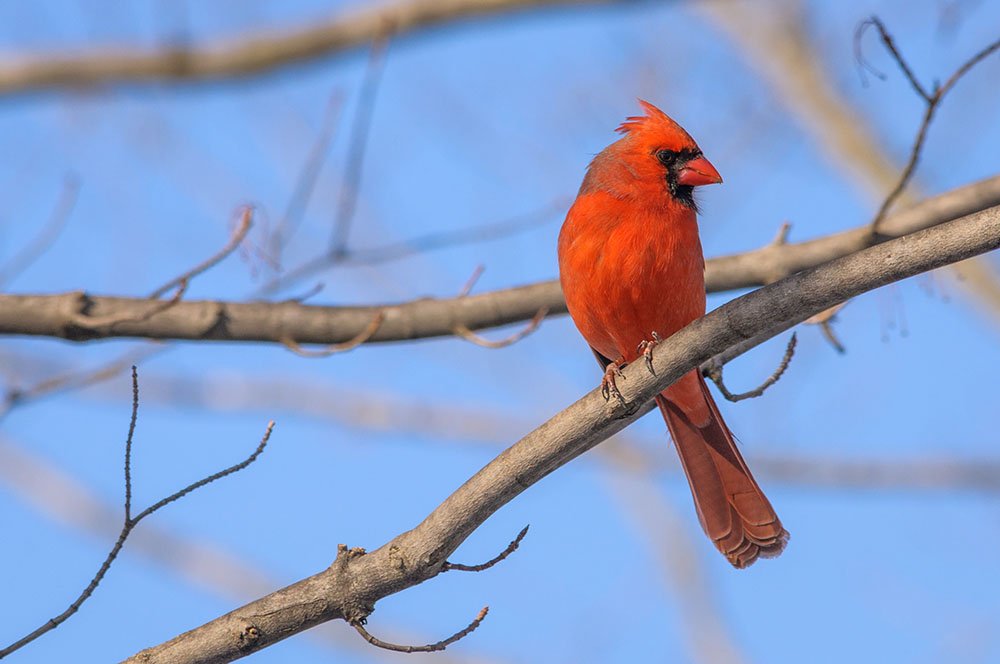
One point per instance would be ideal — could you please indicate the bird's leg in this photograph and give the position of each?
(646, 348)
(608, 386)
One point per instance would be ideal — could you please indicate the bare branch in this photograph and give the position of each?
(58, 496)
(781, 48)
(351, 183)
(47, 236)
(53, 315)
(433, 647)
(350, 587)
(933, 100)
(73, 380)
(84, 319)
(511, 548)
(131, 522)
(714, 372)
(250, 55)
(891, 46)
(306, 182)
(427, 242)
(237, 236)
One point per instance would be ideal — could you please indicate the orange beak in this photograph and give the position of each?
(698, 172)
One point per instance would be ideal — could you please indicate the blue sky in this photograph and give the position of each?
(474, 124)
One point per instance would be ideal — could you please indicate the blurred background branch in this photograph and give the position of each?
(252, 55)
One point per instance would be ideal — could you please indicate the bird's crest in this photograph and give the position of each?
(654, 119)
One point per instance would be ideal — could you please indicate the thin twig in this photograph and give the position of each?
(306, 182)
(131, 522)
(463, 236)
(96, 323)
(891, 46)
(360, 131)
(432, 647)
(464, 332)
(337, 592)
(16, 396)
(47, 236)
(420, 244)
(826, 327)
(781, 237)
(470, 283)
(128, 444)
(933, 100)
(824, 320)
(715, 374)
(332, 349)
(180, 283)
(511, 548)
(238, 235)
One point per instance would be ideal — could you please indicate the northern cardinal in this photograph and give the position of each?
(632, 270)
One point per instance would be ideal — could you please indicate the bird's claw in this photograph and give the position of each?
(609, 387)
(646, 348)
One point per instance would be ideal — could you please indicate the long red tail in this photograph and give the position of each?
(731, 507)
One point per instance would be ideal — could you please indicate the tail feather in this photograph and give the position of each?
(732, 509)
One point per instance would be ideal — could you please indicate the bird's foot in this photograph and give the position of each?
(609, 387)
(646, 348)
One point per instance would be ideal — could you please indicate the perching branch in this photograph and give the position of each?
(130, 521)
(53, 315)
(349, 590)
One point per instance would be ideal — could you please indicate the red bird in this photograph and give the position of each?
(632, 270)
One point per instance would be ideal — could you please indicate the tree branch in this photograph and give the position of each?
(130, 522)
(249, 55)
(779, 46)
(350, 587)
(277, 322)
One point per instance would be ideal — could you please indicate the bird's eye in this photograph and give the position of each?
(667, 157)
(672, 157)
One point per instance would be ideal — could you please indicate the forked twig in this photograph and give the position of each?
(714, 373)
(131, 522)
(932, 98)
(511, 548)
(431, 647)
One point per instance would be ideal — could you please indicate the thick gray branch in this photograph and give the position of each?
(72, 315)
(355, 581)
(250, 55)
